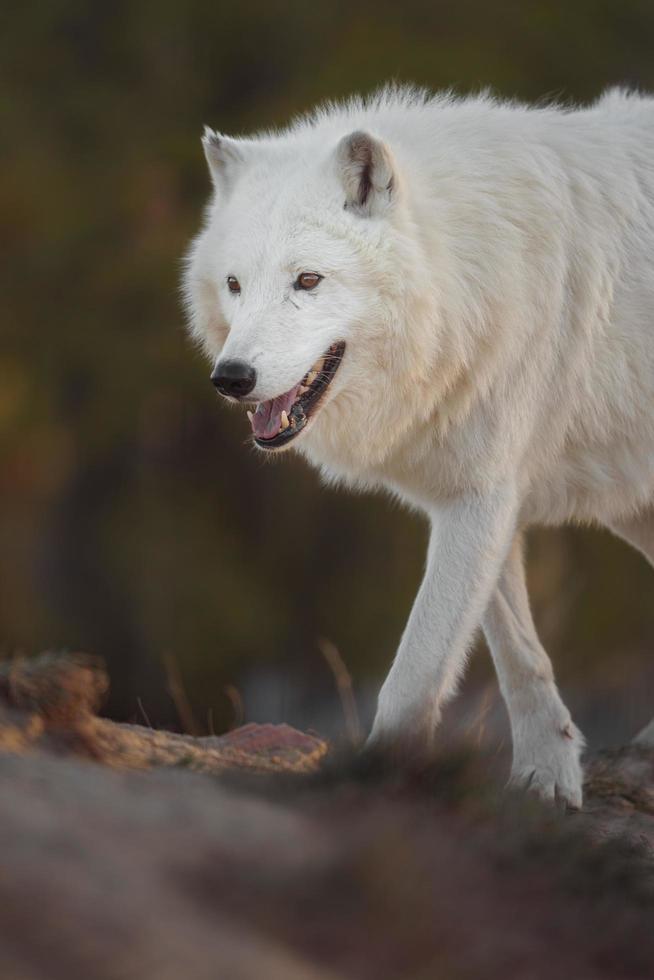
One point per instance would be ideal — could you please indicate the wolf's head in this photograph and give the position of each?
(304, 288)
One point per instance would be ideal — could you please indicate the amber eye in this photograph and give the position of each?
(233, 284)
(307, 280)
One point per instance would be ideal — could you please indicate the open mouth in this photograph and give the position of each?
(276, 422)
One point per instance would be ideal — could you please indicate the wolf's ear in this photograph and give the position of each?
(225, 157)
(366, 170)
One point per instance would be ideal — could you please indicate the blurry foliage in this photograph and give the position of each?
(134, 518)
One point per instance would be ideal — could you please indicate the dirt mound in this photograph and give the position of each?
(49, 703)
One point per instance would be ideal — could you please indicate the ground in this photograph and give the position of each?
(129, 853)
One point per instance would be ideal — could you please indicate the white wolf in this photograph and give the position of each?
(452, 299)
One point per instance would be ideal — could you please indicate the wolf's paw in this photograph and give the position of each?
(550, 766)
(403, 737)
(402, 747)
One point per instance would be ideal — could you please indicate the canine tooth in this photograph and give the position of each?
(311, 377)
(319, 365)
(303, 389)
(250, 416)
(285, 422)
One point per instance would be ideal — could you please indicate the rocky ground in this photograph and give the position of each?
(130, 853)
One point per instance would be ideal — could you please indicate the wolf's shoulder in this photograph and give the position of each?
(624, 101)
(412, 104)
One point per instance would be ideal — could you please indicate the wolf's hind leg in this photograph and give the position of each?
(546, 743)
(638, 531)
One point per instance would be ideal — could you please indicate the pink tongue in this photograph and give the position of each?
(267, 420)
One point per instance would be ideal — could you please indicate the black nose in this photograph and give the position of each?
(235, 378)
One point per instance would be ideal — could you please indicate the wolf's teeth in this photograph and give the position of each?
(285, 422)
(250, 416)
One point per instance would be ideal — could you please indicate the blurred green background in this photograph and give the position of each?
(135, 522)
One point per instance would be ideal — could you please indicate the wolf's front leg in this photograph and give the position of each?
(469, 540)
(546, 744)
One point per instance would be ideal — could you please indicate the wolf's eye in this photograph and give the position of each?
(307, 280)
(233, 284)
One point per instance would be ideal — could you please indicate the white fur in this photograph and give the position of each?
(496, 296)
